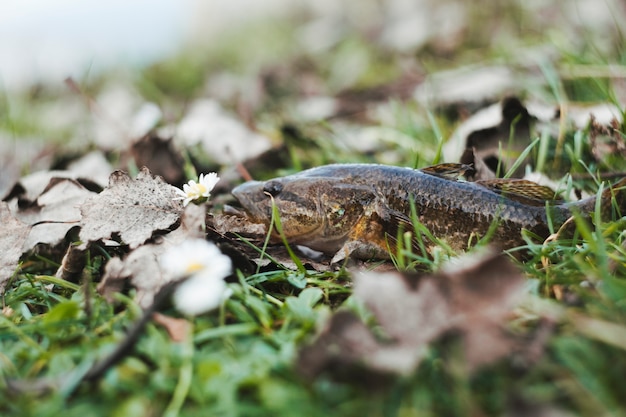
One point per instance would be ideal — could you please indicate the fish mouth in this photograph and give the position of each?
(235, 211)
(248, 203)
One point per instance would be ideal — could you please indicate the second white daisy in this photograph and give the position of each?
(198, 192)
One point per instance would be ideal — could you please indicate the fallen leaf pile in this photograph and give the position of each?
(43, 208)
(494, 137)
(413, 311)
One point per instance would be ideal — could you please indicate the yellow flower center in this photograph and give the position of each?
(201, 189)
(193, 267)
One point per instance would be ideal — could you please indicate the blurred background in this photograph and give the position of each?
(46, 40)
(364, 76)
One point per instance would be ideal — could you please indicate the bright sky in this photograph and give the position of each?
(51, 39)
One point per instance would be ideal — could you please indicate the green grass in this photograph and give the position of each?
(240, 358)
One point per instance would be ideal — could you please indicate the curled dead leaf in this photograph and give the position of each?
(134, 209)
(496, 135)
(26, 191)
(142, 265)
(12, 241)
(160, 156)
(54, 212)
(473, 301)
(343, 347)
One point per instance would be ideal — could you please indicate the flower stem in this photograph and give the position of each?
(184, 378)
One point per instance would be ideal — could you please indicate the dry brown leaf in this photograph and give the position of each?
(412, 311)
(30, 187)
(466, 85)
(222, 137)
(143, 268)
(10, 173)
(142, 264)
(12, 238)
(343, 347)
(54, 213)
(134, 209)
(390, 298)
(94, 166)
(178, 329)
(606, 141)
(113, 279)
(488, 135)
(160, 156)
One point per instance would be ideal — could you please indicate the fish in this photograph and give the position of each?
(358, 210)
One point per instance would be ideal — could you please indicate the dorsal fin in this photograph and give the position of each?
(449, 171)
(523, 191)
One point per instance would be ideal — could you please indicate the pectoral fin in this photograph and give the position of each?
(368, 239)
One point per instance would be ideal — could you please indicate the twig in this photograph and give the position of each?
(243, 172)
(126, 346)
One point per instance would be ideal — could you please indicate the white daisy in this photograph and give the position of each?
(200, 293)
(198, 192)
(203, 268)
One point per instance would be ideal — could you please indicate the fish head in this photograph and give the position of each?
(316, 212)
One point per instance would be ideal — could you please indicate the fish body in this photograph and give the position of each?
(357, 210)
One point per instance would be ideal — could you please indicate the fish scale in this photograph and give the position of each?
(357, 210)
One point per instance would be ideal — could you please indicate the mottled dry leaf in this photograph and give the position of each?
(142, 264)
(412, 311)
(93, 166)
(473, 84)
(134, 209)
(222, 136)
(17, 153)
(10, 173)
(390, 297)
(143, 268)
(30, 187)
(488, 134)
(55, 212)
(160, 156)
(606, 140)
(113, 279)
(12, 238)
(343, 347)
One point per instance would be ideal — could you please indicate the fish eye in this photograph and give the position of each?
(273, 188)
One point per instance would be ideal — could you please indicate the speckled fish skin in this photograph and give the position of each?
(356, 209)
